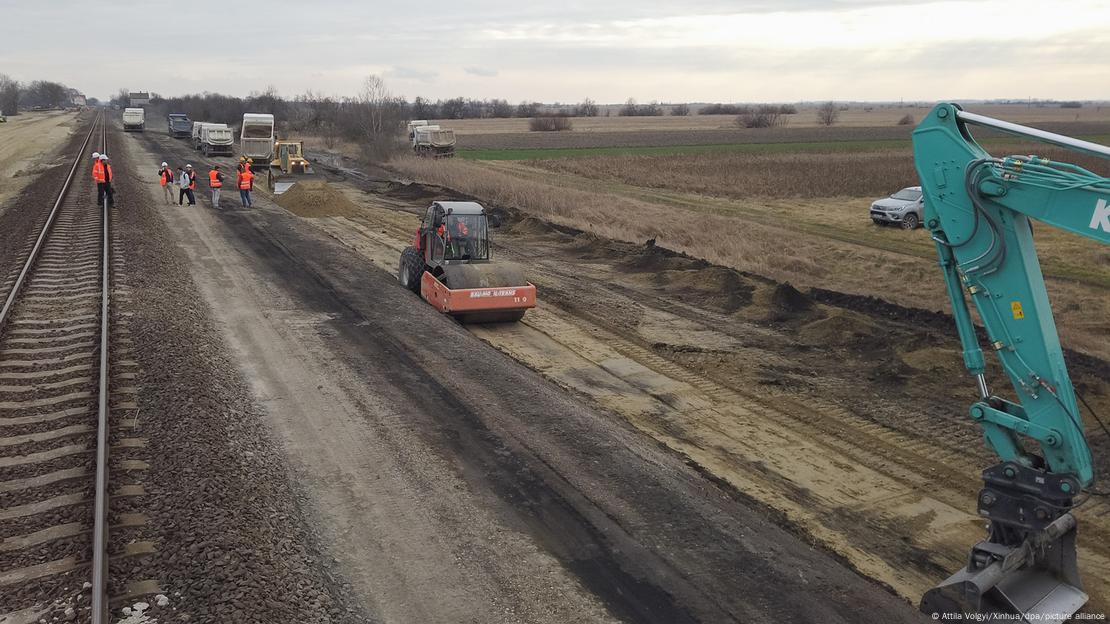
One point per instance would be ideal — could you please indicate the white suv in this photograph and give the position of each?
(906, 208)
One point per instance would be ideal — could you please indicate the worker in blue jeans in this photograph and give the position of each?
(246, 184)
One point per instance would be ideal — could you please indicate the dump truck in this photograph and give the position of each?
(449, 265)
(256, 137)
(287, 164)
(215, 139)
(416, 123)
(433, 141)
(179, 126)
(134, 119)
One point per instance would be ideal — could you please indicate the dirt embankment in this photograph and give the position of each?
(844, 414)
(29, 144)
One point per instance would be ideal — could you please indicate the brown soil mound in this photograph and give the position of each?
(652, 259)
(315, 199)
(530, 225)
(841, 330)
(788, 299)
(717, 288)
(414, 191)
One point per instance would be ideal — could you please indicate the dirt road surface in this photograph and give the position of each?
(456, 484)
(28, 145)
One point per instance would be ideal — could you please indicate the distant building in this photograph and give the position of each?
(139, 98)
(78, 100)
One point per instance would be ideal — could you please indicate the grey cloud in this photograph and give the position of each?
(481, 71)
(409, 73)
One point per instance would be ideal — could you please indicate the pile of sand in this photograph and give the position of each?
(315, 198)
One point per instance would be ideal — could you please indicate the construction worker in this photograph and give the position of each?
(245, 182)
(103, 177)
(97, 170)
(187, 182)
(165, 178)
(215, 181)
(459, 242)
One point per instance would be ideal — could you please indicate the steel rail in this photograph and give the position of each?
(100, 506)
(5, 312)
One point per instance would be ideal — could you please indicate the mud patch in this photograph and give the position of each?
(316, 199)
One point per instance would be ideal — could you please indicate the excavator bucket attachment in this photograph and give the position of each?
(1037, 581)
(480, 293)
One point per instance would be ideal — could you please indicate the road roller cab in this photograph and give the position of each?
(449, 265)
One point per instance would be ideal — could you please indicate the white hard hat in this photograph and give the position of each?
(103, 157)
(164, 164)
(188, 166)
(96, 155)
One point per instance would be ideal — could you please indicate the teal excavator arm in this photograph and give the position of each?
(978, 208)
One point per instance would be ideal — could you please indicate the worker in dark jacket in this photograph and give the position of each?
(187, 182)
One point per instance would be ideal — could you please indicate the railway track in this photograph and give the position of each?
(55, 329)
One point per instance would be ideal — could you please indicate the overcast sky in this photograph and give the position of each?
(696, 50)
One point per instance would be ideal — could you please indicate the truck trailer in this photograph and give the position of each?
(216, 140)
(256, 137)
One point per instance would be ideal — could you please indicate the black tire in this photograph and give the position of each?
(910, 222)
(877, 222)
(411, 269)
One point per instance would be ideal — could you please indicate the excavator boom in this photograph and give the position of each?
(979, 210)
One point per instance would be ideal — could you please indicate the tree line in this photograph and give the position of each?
(36, 94)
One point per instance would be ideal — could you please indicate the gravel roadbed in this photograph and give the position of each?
(227, 519)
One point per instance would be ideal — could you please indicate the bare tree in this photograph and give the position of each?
(588, 108)
(680, 110)
(381, 118)
(9, 95)
(828, 113)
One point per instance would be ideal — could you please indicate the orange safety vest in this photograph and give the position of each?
(245, 179)
(165, 176)
(213, 179)
(98, 172)
(192, 180)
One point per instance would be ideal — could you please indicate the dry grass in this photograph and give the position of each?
(815, 172)
(739, 174)
(824, 242)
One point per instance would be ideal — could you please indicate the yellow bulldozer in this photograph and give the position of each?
(287, 164)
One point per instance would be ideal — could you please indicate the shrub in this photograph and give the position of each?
(906, 120)
(680, 110)
(764, 116)
(1072, 104)
(827, 113)
(549, 123)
